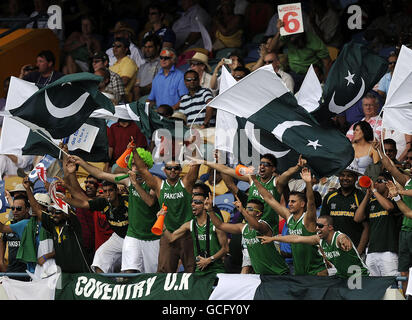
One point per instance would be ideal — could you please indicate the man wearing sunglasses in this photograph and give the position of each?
(300, 217)
(10, 238)
(337, 248)
(265, 259)
(210, 244)
(176, 194)
(193, 104)
(168, 85)
(384, 215)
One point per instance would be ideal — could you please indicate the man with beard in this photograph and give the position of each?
(338, 249)
(147, 71)
(176, 194)
(301, 220)
(210, 244)
(342, 205)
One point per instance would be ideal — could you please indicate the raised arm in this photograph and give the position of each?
(360, 213)
(310, 217)
(190, 178)
(94, 171)
(152, 181)
(284, 178)
(148, 198)
(394, 193)
(270, 200)
(75, 202)
(35, 206)
(253, 222)
(234, 228)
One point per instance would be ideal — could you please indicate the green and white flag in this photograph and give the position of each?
(262, 99)
(64, 105)
(355, 72)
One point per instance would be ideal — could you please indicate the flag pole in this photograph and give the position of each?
(52, 142)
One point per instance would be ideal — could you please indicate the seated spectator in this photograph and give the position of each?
(384, 83)
(402, 142)
(186, 27)
(45, 62)
(123, 30)
(272, 58)
(370, 107)
(303, 49)
(193, 104)
(199, 63)
(168, 85)
(115, 85)
(227, 26)
(103, 85)
(148, 70)
(80, 46)
(124, 66)
(156, 21)
(240, 72)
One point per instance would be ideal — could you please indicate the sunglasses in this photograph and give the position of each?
(381, 181)
(190, 79)
(253, 209)
(165, 58)
(393, 62)
(97, 60)
(268, 62)
(176, 168)
(409, 158)
(320, 225)
(53, 210)
(18, 208)
(266, 164)
(117, 45)
(194, 63)
(197, 201)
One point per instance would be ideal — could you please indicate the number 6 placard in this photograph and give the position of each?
(291, 15)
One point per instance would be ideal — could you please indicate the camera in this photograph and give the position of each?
(227, 61)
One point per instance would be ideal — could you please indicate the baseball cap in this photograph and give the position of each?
(100, 55)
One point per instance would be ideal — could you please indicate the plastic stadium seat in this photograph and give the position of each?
(10, 182)
(225, 202)
(243, 185)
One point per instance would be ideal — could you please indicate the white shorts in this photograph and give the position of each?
(108, 256)
(140, 255)
(382, 264)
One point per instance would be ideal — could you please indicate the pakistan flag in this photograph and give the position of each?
(262, 99)
(355, 72)
(63, 106)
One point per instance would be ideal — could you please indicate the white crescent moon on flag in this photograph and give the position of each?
(281, 128)
(333, 107)
(68, 111)
(249, 130)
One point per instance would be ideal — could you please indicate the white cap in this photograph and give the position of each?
(43, 199)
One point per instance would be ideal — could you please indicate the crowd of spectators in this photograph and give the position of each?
(156, 53)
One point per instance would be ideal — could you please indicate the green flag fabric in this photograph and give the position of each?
(63, 106)
(262, 99)
(355, 72)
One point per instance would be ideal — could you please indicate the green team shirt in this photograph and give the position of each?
(341, 259)
(265, 258)
(178, 202)
(269, 215)
(141, 216)
(214, 246)
(306, 258)
(407, 222)
(383, 232)
(342, 209)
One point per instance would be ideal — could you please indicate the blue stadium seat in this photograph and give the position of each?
(225, 202)
(243, 185)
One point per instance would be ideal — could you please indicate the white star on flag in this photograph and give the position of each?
(314, 144)
(350, 78)
(353, 206)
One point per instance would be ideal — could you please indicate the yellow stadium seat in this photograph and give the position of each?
(11, 182)
(225, 215)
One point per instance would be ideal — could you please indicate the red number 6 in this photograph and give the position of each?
(287, 22)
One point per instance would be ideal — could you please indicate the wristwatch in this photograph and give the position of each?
(212, 258)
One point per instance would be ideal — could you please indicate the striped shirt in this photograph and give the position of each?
(191, 105)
